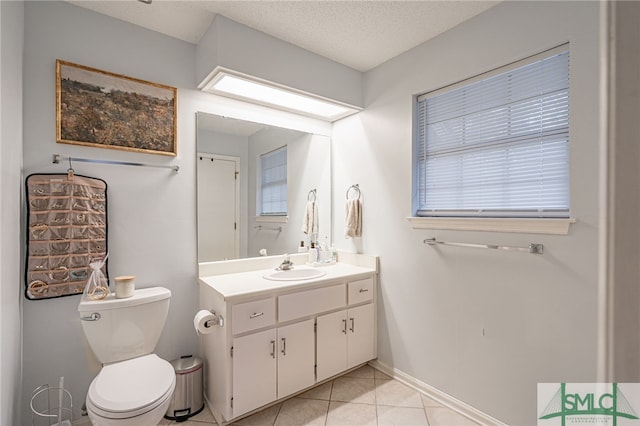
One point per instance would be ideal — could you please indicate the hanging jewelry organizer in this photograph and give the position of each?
(66, 230)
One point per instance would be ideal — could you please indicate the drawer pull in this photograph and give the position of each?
(256, 315)
(284, 346)
(363, 290)
(344, 326)
(273, 349)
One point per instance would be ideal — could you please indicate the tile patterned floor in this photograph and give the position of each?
(364, 397)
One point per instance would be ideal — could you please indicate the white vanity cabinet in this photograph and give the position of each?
(272, 364)
(296, 350)
(254, 371)
(346, 338)
(278, 339)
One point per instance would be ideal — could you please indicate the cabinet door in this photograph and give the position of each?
(331, 344)
(295, 357)
(254, 371)
(360, 332)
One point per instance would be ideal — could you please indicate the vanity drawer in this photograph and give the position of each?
(252, 315)
(360, 291)
(311, 302)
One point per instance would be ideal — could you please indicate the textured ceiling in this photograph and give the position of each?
(358, 34)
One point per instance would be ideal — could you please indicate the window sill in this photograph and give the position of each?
(272, 219)
(522, 225)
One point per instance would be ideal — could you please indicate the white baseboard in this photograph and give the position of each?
(437, 395)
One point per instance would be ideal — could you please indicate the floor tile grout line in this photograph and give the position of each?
(375, 397)
(326, 416)
(333, 382)
(275, 419)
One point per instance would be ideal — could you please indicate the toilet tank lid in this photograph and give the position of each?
(140, 296)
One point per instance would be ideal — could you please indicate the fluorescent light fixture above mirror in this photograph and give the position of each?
(251, 89)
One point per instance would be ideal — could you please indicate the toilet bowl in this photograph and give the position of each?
(134, 386)
(134, 392)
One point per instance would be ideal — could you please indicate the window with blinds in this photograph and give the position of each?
(497, 145)
(273, 183)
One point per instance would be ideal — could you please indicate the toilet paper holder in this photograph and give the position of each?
(217, 320)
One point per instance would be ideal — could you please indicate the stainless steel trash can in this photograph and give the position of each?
(187, 397)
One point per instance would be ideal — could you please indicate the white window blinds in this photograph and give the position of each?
(497, 145)
(273, 182)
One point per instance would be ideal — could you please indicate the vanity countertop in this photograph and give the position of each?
(252, 283)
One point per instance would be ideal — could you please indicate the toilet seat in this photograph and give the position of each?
(131, 388)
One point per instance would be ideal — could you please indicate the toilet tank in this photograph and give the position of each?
(125, 328)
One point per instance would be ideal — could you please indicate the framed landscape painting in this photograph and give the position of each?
(102, 109)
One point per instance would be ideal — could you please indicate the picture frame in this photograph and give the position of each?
(102, 109)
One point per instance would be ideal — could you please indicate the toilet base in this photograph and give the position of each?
(150, 418)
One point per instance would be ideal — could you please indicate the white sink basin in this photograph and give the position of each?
(294, 274)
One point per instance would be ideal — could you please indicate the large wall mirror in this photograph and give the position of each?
(235, 185)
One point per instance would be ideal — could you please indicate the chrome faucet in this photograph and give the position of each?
(286, 264)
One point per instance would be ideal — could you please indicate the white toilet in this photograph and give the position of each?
(135, 386)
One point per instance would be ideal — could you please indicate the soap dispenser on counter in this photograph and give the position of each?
(313, 254)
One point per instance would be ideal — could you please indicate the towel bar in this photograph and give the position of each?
(58, 157)
(267, 228)
(533, 248)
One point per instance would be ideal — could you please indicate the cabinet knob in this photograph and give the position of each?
(284, 346)
(352, 325)
(344, 326)
(273, 349)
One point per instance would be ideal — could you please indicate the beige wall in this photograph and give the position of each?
(11, 40)
(538, 313)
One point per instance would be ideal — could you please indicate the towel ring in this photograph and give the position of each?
(312, 193)
(356, 187)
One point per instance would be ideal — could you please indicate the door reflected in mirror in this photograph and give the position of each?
(251, 202)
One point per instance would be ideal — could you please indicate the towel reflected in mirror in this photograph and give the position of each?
(310, 219)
